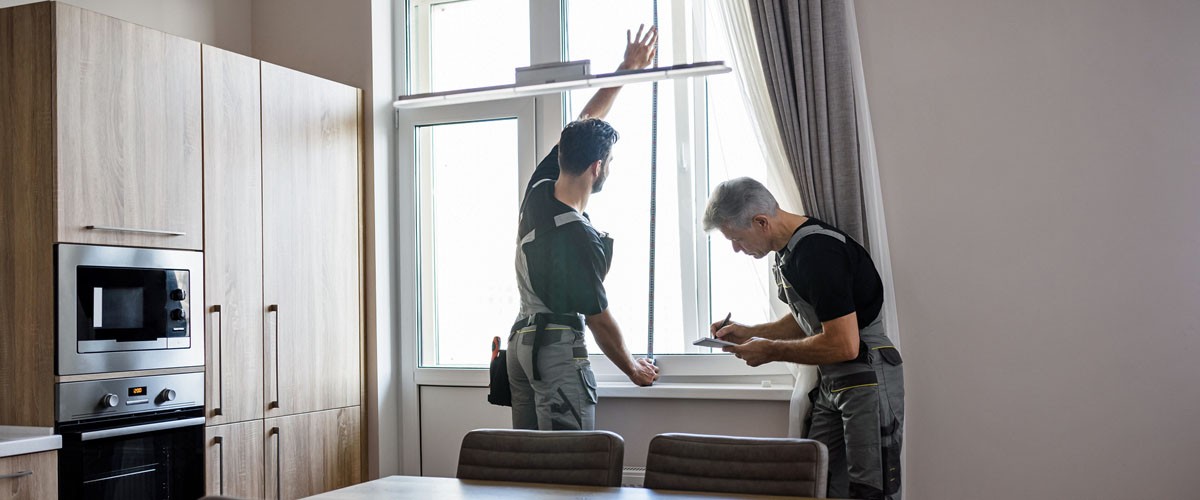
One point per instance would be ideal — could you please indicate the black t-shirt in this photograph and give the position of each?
(566, 264)
(836, 278)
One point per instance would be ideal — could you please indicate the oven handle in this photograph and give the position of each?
(139, 429)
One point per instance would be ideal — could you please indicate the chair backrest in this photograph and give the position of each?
(588, 458)
(726, 464)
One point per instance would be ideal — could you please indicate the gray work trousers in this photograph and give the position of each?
(863, 427)
(565, 396)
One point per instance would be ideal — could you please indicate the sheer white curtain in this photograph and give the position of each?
(734, 16)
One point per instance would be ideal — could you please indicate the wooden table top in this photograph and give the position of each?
(443, 488)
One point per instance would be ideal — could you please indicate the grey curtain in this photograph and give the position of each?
(806, 58)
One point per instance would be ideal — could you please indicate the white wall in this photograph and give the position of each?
(220, 23)
(1040, 166)
(448, 413)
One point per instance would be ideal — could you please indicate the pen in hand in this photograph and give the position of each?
(723, 323)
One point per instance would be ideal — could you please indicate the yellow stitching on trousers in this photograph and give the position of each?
(883, 347)
(532, 329)
(852, 387)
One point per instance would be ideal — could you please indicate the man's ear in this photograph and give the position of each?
(595, 168)
(761, 222)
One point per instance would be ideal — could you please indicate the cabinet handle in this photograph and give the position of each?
(218, 361)
(274, 403)
(17, 475)
(278, 462)
(160, 232)
(220, 442)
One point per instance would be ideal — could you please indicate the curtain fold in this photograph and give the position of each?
(806, 59)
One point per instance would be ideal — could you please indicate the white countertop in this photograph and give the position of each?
(16, 440)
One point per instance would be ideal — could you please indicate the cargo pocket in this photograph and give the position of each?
(890, 355)
(588, 380)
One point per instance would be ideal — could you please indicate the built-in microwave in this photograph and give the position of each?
(123, 309)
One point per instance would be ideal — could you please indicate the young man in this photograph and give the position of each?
(836, 298)
(561, 264)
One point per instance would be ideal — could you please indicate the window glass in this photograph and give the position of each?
(596, 31)
(472, 43)
(468, 286)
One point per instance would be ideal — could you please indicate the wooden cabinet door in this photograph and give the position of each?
(233, 458)
(29, 477)
(313, 453)
(310, 242)
(128, 133)
(233, 237)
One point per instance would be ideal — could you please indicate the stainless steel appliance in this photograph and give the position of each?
(132, 438)
(122, 309)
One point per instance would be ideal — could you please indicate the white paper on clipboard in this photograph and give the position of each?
(712, 342)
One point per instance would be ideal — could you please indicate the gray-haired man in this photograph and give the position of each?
(836, 298)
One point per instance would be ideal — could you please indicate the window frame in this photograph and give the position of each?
(548, 43)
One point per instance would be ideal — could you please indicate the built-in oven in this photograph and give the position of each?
(132, 438)
(122, 309)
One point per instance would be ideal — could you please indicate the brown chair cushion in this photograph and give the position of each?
(589, 458)
(726, 464)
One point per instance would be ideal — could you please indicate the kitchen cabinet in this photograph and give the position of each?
(233, 302)
(234, 460)
(100, 143)
(314, 452)
(32, 476)
(127, 131)
(311, 264)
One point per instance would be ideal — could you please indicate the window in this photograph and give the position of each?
(704, 137)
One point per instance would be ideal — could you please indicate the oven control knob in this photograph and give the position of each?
(166, 395)
(110, 401)
(178, 315)
(178, 294)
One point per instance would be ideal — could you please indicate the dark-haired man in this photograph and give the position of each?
(561, 264)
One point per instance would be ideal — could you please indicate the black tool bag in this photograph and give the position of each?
(498, 391)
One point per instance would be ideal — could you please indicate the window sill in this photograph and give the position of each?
(777, 391)
(679, 390)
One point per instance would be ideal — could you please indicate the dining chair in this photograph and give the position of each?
(745, 465)
(587, 458)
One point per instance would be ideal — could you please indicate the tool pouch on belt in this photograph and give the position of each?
(498, 390)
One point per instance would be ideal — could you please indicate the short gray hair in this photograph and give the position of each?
(735, 202)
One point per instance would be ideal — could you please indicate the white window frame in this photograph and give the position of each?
(548, 44)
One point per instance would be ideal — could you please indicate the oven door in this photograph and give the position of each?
(122, 309)
(154, 457)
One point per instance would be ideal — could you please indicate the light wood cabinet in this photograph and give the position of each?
(29, 477)
(128, 133)
(233, 236)
(234, 460)
(99, 126)
(313, 453)
(311, 274)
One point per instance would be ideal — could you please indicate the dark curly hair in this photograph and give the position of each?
(583, 142)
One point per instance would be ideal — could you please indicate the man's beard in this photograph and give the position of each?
(599, 184)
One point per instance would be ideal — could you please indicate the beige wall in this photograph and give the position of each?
(220, 23)
(1040, 165)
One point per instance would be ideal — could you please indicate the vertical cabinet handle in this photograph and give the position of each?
(220, 442)
(274, 402)
(218, 361)
(278, 462)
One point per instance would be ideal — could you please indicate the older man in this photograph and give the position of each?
(836, 298)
